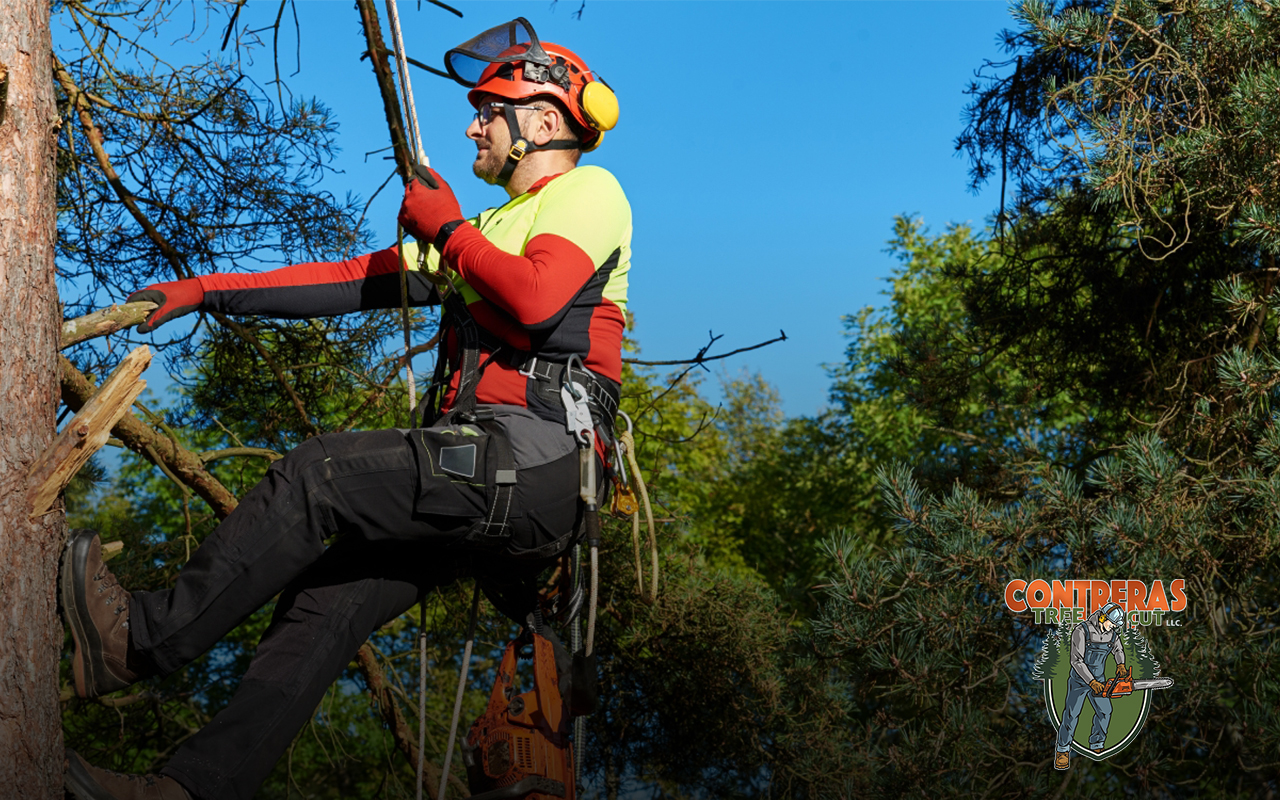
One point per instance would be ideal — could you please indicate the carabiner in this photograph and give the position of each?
(618, 447)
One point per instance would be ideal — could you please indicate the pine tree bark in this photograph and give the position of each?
(30, 318)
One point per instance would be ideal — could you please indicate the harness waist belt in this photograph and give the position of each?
(602, 391)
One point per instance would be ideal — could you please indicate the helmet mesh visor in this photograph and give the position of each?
(510, 41)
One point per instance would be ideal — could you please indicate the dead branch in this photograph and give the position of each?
(77, 390)
(384, 693)
(81, 103)
(702, 357)
(86, 433)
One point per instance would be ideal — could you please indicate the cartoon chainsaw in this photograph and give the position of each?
(1123, 683)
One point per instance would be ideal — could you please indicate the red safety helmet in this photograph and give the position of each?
(508, 61)
(590, 101)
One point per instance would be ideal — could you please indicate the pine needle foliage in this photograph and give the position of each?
(1135, 138)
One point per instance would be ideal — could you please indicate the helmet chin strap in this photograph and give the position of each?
(521, 146)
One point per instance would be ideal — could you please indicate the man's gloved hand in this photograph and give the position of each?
(174, 299)
(1098, 687)
(429, 208)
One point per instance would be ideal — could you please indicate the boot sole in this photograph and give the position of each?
(79, 782)
(89, 676)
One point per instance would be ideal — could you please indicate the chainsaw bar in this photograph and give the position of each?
(1152, 683)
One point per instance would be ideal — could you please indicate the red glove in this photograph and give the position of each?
(429, 210)
(175, 298)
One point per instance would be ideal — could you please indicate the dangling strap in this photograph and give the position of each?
(422, 691)
(468, 333)
(495, 530)
(627, 447)
(457, 701)
(467, 330)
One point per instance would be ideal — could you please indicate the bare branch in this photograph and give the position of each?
(448, 8)
(379, 54)
(232, 452)
(81, 103)
(702, 357)
(185, 465)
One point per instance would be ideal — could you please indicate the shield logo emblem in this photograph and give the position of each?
(1123, 707)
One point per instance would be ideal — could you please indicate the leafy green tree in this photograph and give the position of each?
(913, 386)
(1134, 273)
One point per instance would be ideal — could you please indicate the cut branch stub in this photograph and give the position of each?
(108, 320)
(87, 431)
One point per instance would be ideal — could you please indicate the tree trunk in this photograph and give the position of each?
(30, 319)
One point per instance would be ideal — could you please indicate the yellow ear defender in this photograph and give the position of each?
(600, 105)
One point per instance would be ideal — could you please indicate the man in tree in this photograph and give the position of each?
(534, 295)
(1091, 642)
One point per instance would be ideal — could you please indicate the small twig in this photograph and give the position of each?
(248, 336)
(415, 62)
(702, 357)
(231, 452)
(448, 8)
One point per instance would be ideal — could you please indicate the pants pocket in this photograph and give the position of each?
(552, 512)
(453, 471)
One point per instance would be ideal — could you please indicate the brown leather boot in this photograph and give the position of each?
(86, 782)
(1061, 760)
(96, 608)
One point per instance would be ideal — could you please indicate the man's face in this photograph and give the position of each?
(537, 120)
(1107, 624)
(493, 141)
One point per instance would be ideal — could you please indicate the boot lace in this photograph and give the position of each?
(108, 582)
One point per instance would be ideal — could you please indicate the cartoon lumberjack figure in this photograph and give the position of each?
(1091, 641)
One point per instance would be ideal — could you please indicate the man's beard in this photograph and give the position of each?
(488, 165)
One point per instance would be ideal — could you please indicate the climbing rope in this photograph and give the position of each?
(457, 700)
(420, 157)
(627, 445)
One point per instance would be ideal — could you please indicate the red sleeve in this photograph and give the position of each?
(318, 289)
(535, 288)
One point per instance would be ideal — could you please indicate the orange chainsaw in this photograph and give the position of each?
(519, 749)
(1123, 683)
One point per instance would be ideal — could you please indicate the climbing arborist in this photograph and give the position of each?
(491, 485)
(1091, 642)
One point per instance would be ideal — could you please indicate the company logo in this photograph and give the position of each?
(1099, 675)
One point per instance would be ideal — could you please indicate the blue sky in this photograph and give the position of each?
(765, 148)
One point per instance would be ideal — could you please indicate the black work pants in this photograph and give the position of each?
(380, 493)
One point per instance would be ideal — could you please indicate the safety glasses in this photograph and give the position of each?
(487, 111)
